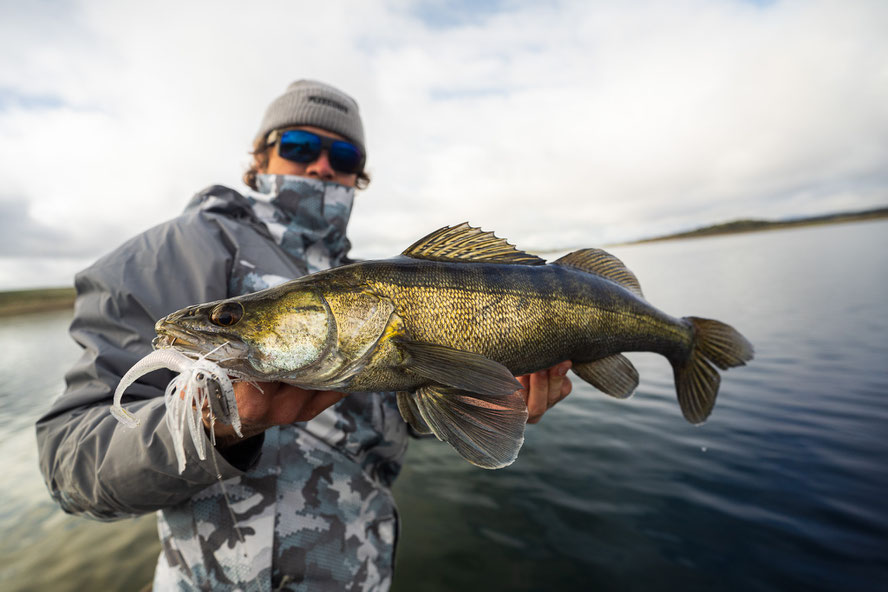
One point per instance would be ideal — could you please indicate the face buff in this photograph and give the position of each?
(306, 217)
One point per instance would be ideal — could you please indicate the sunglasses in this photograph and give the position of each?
(302, 146)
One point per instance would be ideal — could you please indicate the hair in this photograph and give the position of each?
(260, 162)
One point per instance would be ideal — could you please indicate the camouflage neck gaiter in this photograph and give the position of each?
(307, 217)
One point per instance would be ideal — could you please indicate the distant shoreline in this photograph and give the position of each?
(19, 302)
(757, 225)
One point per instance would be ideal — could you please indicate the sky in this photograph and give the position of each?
(555, 124)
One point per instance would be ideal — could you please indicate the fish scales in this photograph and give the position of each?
(525, 317)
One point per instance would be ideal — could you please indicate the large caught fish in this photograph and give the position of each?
(448, 324)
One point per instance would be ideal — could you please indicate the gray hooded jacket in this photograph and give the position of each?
(312, 501)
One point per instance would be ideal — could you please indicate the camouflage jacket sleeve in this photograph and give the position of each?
(92, 464)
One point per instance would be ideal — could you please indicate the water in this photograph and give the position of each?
(782, 489)
(42, 548)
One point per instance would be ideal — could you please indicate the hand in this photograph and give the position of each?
(276, 404)
(544, 388)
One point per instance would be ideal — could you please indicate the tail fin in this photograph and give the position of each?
(695, 379)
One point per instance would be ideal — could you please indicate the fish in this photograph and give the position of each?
(448, 324)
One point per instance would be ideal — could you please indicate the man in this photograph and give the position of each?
(309, 484)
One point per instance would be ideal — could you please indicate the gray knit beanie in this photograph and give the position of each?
(308, 102)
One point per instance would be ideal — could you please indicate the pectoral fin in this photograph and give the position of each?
(614, 375)
(487, 431)
(459, 369)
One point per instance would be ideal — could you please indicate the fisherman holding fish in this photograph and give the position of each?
(306, 500)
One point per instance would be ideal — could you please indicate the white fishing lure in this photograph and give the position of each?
(185, 397)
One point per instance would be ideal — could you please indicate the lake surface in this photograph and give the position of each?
(784, 488)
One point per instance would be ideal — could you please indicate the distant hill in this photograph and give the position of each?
(755, 225)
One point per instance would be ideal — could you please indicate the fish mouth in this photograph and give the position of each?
(218, 350)
(172, 337)
(166, 341)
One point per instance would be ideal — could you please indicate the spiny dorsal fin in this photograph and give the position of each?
(463, 243)
(603, 264)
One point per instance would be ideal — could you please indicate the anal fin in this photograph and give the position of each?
(488, 431)
(614, 375)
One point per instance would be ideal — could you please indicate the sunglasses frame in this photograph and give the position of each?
(275, 137)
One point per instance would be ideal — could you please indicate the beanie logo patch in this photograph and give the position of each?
(327, 102)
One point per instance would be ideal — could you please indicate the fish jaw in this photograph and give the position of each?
(231, 355)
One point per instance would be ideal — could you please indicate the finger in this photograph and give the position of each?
(525, 385)
(252, 388)
(253, 404)
(554, 390)
(566, 387)
(538, 397)
(318, 403)
(556, 382)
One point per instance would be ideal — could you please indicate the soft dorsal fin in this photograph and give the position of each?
(603, 264)
(463, 243)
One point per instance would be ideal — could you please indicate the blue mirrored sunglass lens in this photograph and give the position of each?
(345, 157)
(300, 146)
(304, 146)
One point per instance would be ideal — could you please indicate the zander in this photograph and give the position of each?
(448, 324)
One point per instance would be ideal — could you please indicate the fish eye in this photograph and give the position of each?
(227, 314)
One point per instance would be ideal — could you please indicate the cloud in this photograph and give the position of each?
(22, 236)
(556, 124)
